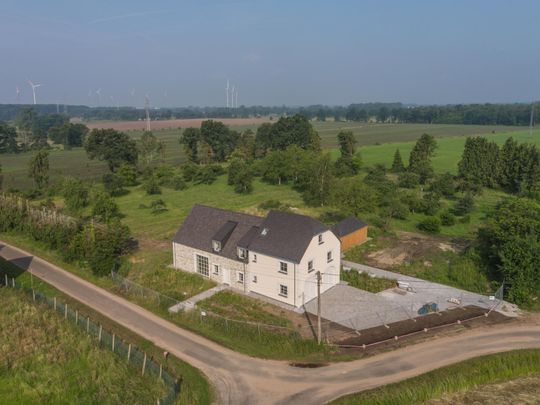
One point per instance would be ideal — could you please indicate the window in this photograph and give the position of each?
(310, 267)
(283, 267)
(321, 241)
(283, 290)
(216, 245)
(254, 279)
(202, 265)
(241, 253)
(329, 256)
(254, 258)
(216, 269)
(240, 277)
(264, 232)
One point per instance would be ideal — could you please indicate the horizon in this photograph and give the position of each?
(274, 53)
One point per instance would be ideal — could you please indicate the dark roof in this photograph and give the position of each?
(203, 224)
(285, 235)
(225, 232)
(347, 226)
(248, 237)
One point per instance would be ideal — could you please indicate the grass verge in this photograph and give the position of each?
(455, 378)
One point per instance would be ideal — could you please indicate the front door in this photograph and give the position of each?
(226, 276)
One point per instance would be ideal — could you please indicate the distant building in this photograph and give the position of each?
(351, 232)
(277, 256)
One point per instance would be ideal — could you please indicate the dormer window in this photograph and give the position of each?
(264, 232)
(321, 241)
(216, 245)
(241, 253)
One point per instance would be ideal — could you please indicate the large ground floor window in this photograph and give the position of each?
(202, 265)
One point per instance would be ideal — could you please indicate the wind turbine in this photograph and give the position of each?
(18, 92)
(34, 86)
(98, 92)
(227, 92)
(132, 92)
(236, 97)
(232, 96)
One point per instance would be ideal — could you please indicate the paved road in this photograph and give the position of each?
(240, 379)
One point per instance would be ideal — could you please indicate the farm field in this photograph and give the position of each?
(47, 360)
(389, 136)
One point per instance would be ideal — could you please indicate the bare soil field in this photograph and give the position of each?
(409, 246)
(166, 124)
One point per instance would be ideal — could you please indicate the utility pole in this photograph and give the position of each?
(319, 277)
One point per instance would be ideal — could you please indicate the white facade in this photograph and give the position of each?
(282, 280)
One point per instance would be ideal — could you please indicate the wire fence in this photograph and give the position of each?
(131, 288)
(106, 339)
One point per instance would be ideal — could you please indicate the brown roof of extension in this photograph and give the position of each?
(286, 235)
(204, 223)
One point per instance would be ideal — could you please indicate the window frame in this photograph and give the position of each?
(283, 265)
(241, 253)
(254, 279)
(329, 257)
(215, 269)
(240, 277)
(216, 246)
(320, 239)
(200, 259)
(283, 287)
(254, 259)
(312, 268)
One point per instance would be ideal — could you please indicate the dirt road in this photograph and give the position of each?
(240, 379)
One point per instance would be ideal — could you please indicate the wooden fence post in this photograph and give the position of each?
(13, 281)
(129, 352)
(87, 324)
(6, 280)
(65, 311)
(33, 294)
(144, 364)
(54, 299)
(113, 342)
(100, 330)
(160, 370)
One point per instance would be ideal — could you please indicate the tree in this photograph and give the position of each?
(190, 140)
(104, 208)
(444, 185)
(75, 194)
(151, 186)
(1, 177)
(38, 169)
(263, 139)
(353, 196)
(315, 178)
(431, 203)
(240, 176)
(8, 139)
(408, 180)
(25, 122)
(276, 167)
(220, 138)
(420, 157)
(510, 245)
(479, 163)
(348, 164)
(149, 148)
(116, 148)
(113, 184)
(68, 134)
(295, 130)
(128, 175)
(397, 164)
(464, 205)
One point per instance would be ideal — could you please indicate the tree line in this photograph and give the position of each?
(477, 114)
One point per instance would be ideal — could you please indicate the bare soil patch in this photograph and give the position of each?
(410, 246)
(167, 124)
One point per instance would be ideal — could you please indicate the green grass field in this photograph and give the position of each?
(75, 162)
(447, 380)
(44, 359)
(195, 389)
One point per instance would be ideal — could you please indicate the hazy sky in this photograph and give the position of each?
(277, 52)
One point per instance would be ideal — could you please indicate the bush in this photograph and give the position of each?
(408, 180)
(465, 219)
(274, 205)
(332, 217)
(206, 175)
(113, 184)
(431, 203)
(430, 224)
(158, 206)
(447, 218)
(164, 174)
(75, 194)
(128, 174)
(105, 209)
(177, 183)
(464, 205)
(190, 171)
(151, 186)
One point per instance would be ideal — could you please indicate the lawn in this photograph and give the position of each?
(458, 377)
(48, 360)
(367, 283)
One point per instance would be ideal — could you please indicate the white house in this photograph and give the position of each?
(277, 256)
